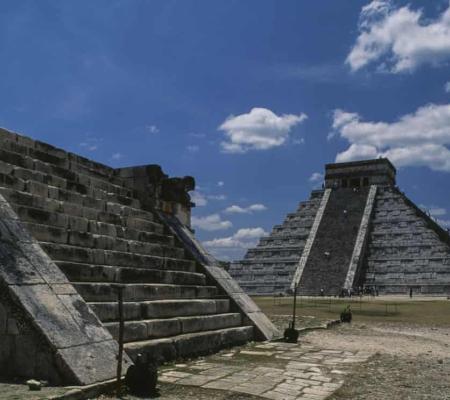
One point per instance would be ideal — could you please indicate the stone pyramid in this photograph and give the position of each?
(70, 228)
(359, 231)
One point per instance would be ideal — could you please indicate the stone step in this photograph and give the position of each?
(191, 344)
(77, 272)
(140, 292)
(62, 252)
(270, 260)
(32, 208)
(62, 174)
(101, 228)
(159, 328)
(425, 243)
(46, 233)
(157, 309)
(50, 156)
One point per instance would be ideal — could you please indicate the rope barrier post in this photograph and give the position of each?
(119, 288)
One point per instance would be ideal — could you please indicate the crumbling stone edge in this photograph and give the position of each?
(86, 392)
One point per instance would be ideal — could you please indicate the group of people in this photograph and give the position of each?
(359, 291)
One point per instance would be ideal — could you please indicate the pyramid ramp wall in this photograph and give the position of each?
(96, 227)
(269, 268)
(407, 249)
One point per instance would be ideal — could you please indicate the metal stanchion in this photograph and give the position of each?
(119, 288)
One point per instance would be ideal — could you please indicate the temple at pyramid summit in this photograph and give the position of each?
(358, 231)
(73, 233)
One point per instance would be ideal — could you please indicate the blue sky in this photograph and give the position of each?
(251, 97)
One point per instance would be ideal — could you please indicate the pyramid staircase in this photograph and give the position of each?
(94, 228)
(328, 262)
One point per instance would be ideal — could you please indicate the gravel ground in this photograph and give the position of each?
(178, 392)
(411, 362)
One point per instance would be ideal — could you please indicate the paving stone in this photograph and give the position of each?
(278, 395)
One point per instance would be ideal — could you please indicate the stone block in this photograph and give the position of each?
(175, 308)
(16, 268)
(37, 189)
(160, 349)
(50, 315)
(90, 363)
(3, 319)
(163, 327)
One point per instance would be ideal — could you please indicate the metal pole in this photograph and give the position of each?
(119, 289)
(295, 306)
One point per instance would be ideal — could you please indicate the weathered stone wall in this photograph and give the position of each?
(375, 172)
(406, 249)
(24, 352)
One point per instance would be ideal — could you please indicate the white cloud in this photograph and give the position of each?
(260, 129)
(198, 198)
(434, 211)
(201, 199)
(220, 183)
(151, 128)
(316, 177)
(417, 139)
(447, 87)
(445, 223)
(117, 156)
(91, 143)
(243, 238)
(234, 209)
(400, 39)
(299, 141)
(217, 197)
(211, 222)
(193, 148)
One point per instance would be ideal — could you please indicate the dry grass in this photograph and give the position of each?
(415, 311)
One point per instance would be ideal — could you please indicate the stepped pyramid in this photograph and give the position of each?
(70, 228)
(360, 230)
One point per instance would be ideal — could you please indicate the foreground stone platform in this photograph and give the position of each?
(276, 371)
(70, 229)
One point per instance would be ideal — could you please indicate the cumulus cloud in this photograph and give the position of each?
(193, 148)
(400, 39)
(151, 128)
(438, 214)
(418, 139)
(211, 222)
(234, 209)
(198, 198)
(217, 197)
(434, 211)
(243, 239)
(91, 143)
(316, 177)
(260, 129)
(445, 223)
(117, 156)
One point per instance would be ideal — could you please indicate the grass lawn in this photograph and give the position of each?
(395, 310)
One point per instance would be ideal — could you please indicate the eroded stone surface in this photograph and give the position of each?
(270, 370)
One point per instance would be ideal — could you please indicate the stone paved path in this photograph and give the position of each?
(277, 371)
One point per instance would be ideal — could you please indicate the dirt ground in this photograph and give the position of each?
(410, 362)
